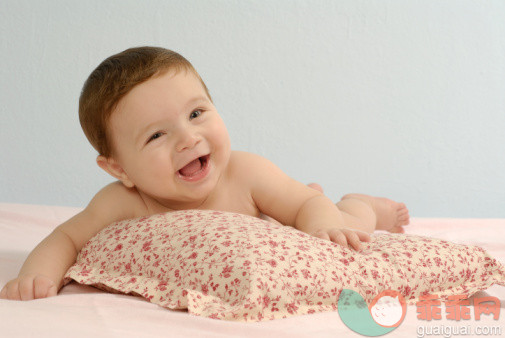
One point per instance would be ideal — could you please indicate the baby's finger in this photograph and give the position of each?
(363, 236)
(13, 292)
(44, 287)
(338, 237)
(352, 239)
(53, 291)
(26, 289)
(3, 293)
(321, 234)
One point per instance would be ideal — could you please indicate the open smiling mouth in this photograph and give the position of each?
(195, 170)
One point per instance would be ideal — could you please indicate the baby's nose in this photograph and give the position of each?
(187, 140)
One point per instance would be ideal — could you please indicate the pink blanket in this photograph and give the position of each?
(81, 311)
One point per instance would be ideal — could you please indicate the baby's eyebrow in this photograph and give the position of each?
(197, 99)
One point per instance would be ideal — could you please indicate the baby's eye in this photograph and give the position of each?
(155, 136)
(195, 114)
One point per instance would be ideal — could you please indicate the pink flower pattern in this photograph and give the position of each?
(235, 267)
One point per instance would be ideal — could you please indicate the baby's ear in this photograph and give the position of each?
(114, 169)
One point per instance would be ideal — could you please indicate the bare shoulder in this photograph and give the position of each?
(248, 162)
(237, 155)
(274, 193)
(255, 169)
(117, 202)
(255, 172)
(112, 203)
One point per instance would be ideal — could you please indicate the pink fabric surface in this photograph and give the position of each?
(80, 311)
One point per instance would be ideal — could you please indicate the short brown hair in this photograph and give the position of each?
(113, 79)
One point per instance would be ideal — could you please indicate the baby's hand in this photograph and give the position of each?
(343, 236)
(29, 287)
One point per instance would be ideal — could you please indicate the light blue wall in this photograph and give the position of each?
(404, 99)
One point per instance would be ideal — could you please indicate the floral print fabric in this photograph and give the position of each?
(236, 267)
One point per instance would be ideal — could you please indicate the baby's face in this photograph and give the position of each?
(169, 139)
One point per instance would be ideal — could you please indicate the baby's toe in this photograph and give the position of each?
(404, 214)
(404, 220)
(401, 207)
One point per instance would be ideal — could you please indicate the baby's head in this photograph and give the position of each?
(115, 77)
(150, 117)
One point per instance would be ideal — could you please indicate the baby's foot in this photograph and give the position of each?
(391, 215)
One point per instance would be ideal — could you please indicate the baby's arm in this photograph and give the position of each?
(42, 273)
(321, 218)
(291, 202)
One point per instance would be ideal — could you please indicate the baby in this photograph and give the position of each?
(151, 118)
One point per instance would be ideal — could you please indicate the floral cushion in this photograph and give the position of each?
(236, 267)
